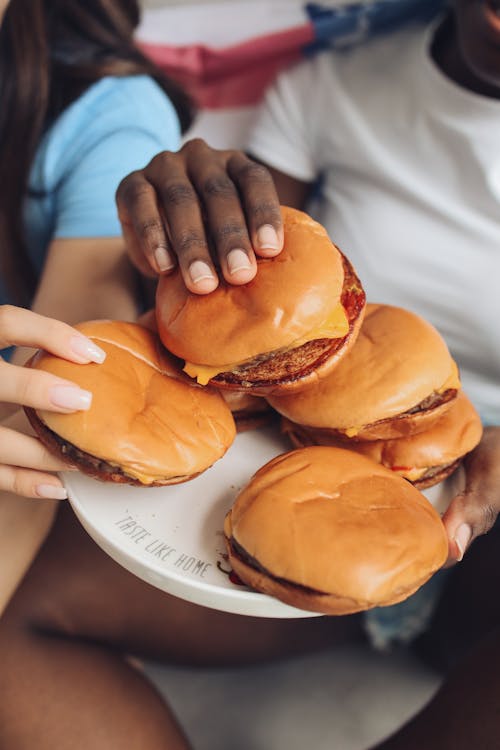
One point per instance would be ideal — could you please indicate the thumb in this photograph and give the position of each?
(474, 510)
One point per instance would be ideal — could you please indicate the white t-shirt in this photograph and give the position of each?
(410, 164)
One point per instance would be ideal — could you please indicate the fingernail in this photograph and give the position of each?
(462, 538)
(200, 271)
(70, 397)
(238, 260)
(267, 237)
(52, 491)
(85, 348)
(163, 259)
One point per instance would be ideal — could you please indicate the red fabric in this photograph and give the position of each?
(231, 76)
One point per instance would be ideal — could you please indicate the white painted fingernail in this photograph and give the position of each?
(200, 271)
(52, 491)
(462, 538)
(238, 260)
(267, 237)
(87, 349)
(70, 397)
(163, 259)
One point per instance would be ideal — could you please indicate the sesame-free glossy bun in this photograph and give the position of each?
(328, 530)
(425, 458)
(260, 333)
(148, 423)
(397, 379)
(288, 298)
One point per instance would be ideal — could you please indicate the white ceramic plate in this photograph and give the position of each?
(172, 537)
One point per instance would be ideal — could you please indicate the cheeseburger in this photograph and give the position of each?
(148, 425)
(397, 380)
(328, 530)
(278, 333)
(425, 458)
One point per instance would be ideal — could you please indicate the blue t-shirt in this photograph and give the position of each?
(115, 127)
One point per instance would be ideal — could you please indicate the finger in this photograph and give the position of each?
(475, 509)
(260, 199)
(224, 214)
(29, 483)
(20, 327)
(41, 390)
(17, 449)
(469, 515)
(136, 254)
(458, 529)
(182, 210)
(143, 228)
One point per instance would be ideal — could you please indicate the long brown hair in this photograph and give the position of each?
(50, 52)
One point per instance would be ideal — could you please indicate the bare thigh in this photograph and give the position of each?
(75, 590)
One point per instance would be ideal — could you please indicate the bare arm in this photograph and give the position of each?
(83, 279)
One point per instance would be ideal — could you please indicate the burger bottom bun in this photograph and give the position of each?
(435, 475)
(301, 596)
(91, 465)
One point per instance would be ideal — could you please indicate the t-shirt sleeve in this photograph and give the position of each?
(121, 141)
(284, 133)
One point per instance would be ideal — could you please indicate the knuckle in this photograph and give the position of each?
(189, 241)
(17, 483)
(194, 144)
(252, 171)
(228, 231)
(487, 519)
(178, 194)
(5, 441)
(147, 228)
(266, 212)
(218, 186)
(24, 385)
(133, 188)
(161, 161)
(7, 319)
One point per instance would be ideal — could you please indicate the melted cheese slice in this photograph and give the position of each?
(336, 326)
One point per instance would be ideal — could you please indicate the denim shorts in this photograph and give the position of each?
(401, 623)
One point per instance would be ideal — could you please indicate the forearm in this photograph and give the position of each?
(85, 279)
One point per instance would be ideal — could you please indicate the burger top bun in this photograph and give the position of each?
(397, 361)
(329, 530)
(288, 299)
(146, 417)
